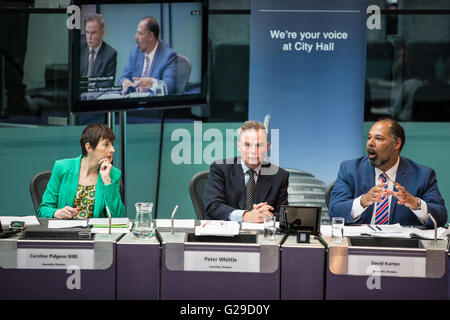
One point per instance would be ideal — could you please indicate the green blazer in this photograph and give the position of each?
(62, 187)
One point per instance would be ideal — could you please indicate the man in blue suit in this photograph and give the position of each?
(246, 188)
(385, 188)
(150, 60)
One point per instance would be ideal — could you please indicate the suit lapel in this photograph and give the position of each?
(155, 59)
(99, 59)
(72, 183)
(368, 183)
(84, 61)
(139, 65)
(99, 199)
(400, 178)
(238, 182)
(263, 187)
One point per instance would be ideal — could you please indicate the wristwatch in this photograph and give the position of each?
(419, 204)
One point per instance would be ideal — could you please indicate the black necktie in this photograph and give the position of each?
(250, 190)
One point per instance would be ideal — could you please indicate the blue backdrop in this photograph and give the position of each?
(307, 70)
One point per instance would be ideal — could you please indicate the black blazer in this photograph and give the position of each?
(225, 188)
(104, 64)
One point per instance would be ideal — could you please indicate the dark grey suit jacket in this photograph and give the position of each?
(104, 64)
(225, 188)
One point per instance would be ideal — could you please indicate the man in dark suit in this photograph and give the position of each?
(152, 62)
(97, 58)
(385, 188)
(244, 188)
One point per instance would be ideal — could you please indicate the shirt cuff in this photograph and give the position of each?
(236, 215)
(357, 209)
(422, 214)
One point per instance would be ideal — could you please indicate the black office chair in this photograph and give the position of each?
(196, 190)
(38, 185)
(183, 72)
(327, 194)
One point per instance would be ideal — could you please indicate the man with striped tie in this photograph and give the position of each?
(152, 61)
(384, 188)
(246, 188)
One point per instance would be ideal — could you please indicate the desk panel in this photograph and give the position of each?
(138, 268)
(302, 270)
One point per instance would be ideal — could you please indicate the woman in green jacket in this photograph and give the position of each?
(82, 187)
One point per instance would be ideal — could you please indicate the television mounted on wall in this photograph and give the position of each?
(138, 54)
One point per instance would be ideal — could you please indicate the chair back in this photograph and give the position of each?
(183, 73)
(196, 190)
(38, 185)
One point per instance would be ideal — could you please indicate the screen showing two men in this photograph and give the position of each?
(140, 50)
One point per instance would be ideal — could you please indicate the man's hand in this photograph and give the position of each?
(66, 213)
(258, 212)
(125, 84)
(374, 195)
(143, 83)
(404, 197)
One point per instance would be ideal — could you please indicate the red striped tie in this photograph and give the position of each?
(382, 207)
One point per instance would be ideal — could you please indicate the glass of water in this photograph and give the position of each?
(337, 229)
(269, 227)
(143, 224)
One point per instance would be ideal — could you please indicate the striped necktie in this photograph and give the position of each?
(250, 190)
(90, 62)
(382, 207)
(145, 73)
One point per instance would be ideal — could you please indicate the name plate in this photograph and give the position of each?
(391, 266)
(55, 258)
(222, 261)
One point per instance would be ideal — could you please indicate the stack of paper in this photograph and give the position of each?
(60, 224)
(118, 225)
(217, 228)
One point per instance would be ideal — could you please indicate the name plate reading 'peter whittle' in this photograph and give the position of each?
(222, 261)
(392, 266)
(55, 258)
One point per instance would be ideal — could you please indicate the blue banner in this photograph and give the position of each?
(307, 70)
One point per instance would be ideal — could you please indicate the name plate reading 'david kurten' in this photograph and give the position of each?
(55, 258)
(390, 266)
(222, 261)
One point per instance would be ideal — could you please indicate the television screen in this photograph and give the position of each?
(131, 55)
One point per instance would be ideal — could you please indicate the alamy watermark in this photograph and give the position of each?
(373, 20)
(207, 146)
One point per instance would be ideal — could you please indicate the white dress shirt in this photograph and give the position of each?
(357, 209)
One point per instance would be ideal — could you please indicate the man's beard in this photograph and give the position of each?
(377, 163)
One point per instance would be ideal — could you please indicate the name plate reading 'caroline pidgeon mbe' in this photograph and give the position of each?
(222, 261)
(54, 258)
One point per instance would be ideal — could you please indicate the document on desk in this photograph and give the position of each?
(178, 223)
(61, 224)
(115, 222)
(29, 220)
(252, 226)
(256, 226)
(426, 234)
(118, 225)
(217, 228)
